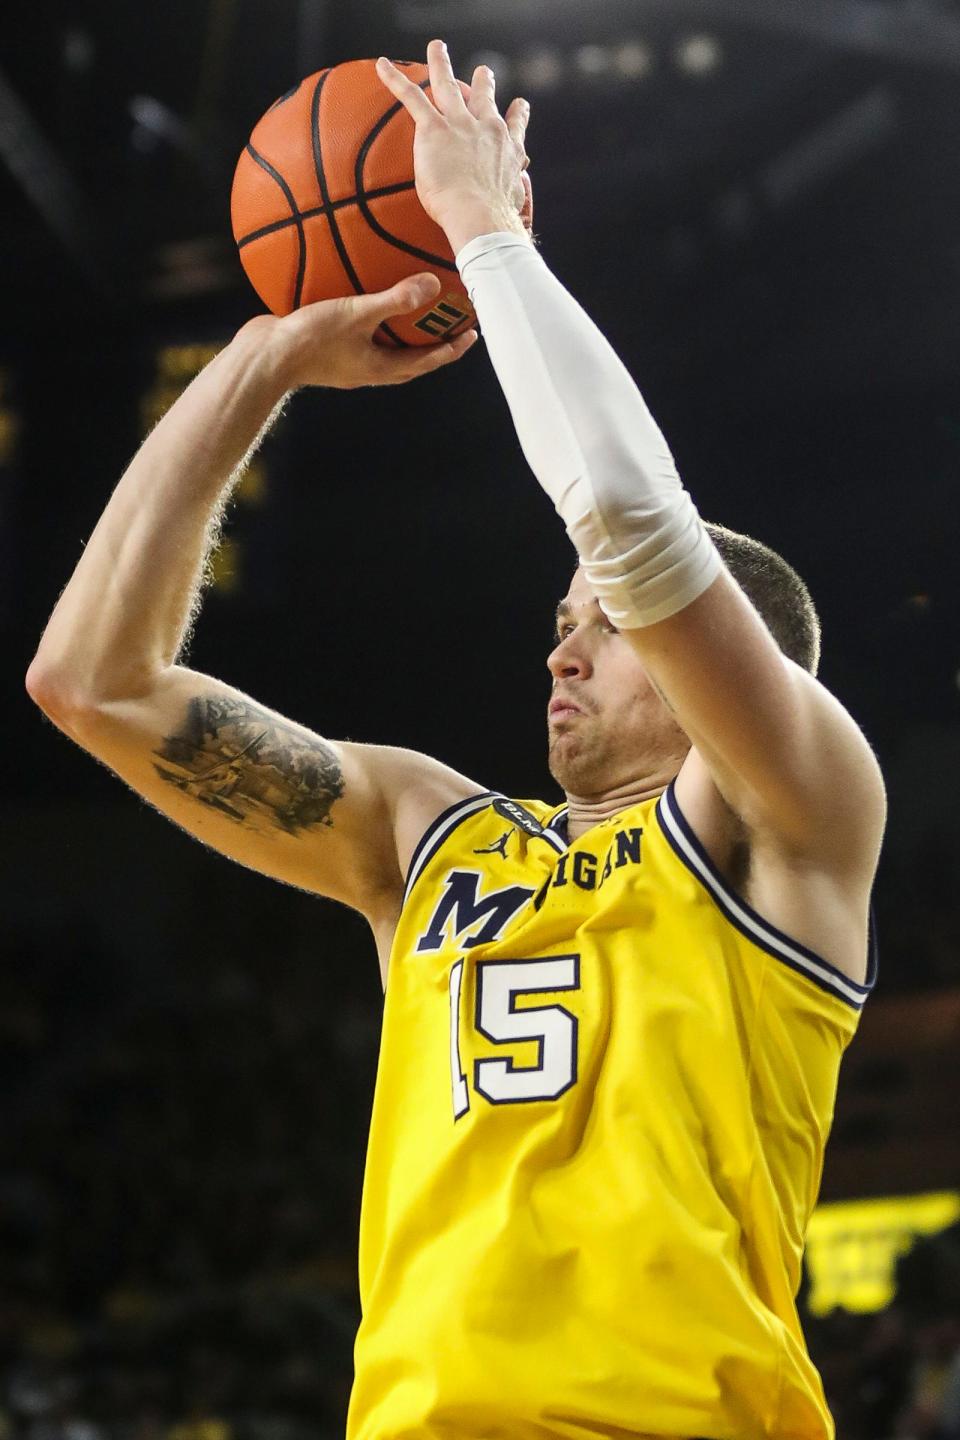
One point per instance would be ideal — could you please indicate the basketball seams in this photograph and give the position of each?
(296, 218)
(317, 171)
(322, 210)
(426, 255)
(337, 238)
(385, 328)
(328, 206)
(288, 95)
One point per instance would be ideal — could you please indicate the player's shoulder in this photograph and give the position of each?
(481, 824)
(416, 790)
(489, 809)
(822, 909)
(433, 819)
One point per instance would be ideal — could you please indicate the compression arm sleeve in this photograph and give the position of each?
(588, 437)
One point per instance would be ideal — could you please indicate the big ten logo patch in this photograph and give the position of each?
(445, 317)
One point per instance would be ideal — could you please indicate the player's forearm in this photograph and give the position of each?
(588, 436)
(128, 605)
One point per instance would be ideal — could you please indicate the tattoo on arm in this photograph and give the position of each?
(253, 768)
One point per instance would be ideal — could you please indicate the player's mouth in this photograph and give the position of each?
(561, 709)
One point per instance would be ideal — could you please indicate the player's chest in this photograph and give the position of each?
(522, 889)
(521, 967)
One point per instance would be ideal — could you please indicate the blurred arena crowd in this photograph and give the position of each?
(179, 1201)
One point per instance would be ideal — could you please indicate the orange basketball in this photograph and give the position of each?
(324, 203)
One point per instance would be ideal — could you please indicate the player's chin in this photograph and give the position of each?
(566, 761)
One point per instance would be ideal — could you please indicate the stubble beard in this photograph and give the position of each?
(579, 763)
(586, 762)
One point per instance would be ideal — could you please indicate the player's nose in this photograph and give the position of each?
(568, 660)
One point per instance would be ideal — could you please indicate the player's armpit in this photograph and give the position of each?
(332, 818)
(783, 752)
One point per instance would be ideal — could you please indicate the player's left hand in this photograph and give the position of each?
(469, 161)
(331, 342)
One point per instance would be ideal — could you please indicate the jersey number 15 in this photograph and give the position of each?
(500, 983)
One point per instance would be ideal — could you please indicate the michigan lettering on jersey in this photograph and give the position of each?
(583, 868)
(464, 918)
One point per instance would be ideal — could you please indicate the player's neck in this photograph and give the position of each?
(585, 811)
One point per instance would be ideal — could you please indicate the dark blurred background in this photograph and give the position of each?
(757, 201)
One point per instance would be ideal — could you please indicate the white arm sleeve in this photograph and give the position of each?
(588, 437)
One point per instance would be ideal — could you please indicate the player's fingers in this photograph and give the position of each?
(483, 92)
(517, 119)
(409, 294)
(406, 367)
(445, 86)
(410, 96)
(439, 355)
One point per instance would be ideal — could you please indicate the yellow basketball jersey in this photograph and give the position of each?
(604, 1090)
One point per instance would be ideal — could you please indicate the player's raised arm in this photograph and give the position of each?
(331, 818)
(781, 751)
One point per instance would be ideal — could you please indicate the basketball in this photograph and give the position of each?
(324, 203)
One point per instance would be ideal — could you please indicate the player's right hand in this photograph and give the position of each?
(331, 342)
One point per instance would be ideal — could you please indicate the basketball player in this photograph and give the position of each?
(613, 1025)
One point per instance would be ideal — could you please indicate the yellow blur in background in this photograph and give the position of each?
(853, 1246)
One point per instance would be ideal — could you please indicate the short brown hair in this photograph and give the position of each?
(776, 592)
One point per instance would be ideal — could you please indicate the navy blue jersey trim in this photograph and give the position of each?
(448, 820)
(873, 951)
(554, 839)
(460, 809)
(744, 918)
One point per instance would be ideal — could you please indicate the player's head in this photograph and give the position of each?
(621, 729)
(776, 591)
